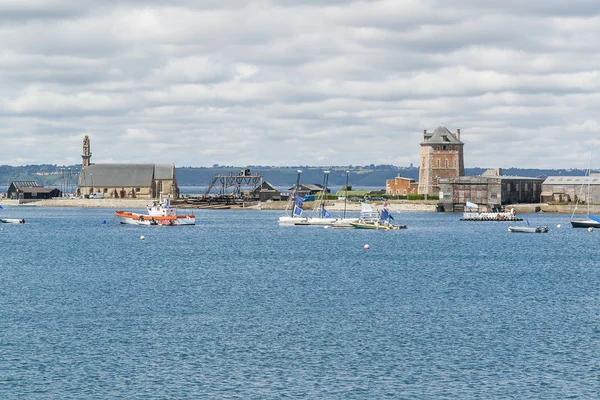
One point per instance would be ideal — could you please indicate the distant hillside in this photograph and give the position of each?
(359, 176)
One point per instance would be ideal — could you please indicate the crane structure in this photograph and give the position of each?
(234, 185)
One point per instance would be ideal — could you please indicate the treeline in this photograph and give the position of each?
(358, 176)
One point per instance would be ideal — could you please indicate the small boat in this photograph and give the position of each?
(159, 213)
(371, 219)
(528, 229)
(588, 221)
(12, 220)
(585, 223)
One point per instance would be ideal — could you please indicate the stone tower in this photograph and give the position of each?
(441, 157)
(87, 154)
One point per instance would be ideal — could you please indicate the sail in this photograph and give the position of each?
(297, 211)
(365, 207)
(324, 213)
(594, 218)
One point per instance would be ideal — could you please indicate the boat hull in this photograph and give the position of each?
(291, 220)
(385, 227)
(585, 223)
(528, 229)
(130, 218)
(12, 220)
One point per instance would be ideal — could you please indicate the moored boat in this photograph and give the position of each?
(159, 213)
(12, 220)
(371, 219)
(528, 229)
(585, 223)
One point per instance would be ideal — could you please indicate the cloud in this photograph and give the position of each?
(289, 83)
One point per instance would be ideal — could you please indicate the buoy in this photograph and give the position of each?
(558, 226)
(103, 221)
(367, 247)
(590, 229)
(142, 237)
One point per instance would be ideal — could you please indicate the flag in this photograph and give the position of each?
(385, 215)
(297, 211)
(472, 205)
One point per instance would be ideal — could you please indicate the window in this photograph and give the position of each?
(137, 190)
(446, 163)
(438, 163)
(494, 196)
(405, 192)
(444, 147)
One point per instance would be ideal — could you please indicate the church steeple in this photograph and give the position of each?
(87, 154)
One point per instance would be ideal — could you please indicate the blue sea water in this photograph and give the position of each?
(239, 307)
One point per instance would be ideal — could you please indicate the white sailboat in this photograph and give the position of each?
(345, 222)
(588, 221)
(294, 206)
(322, 217)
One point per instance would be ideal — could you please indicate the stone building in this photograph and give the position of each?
(441, 158)
(144, 181)
(570, 189)
(401, 186)
(488, 192)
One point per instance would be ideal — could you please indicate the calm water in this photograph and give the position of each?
(238, 307)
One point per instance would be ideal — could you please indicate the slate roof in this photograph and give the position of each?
(441, 135)
(308, 186)
(117, 175)
(22, 184)
(164, 171)
(573, 180)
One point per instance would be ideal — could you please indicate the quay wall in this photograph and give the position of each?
(393, 205)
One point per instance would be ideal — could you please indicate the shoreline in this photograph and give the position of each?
(331, 205)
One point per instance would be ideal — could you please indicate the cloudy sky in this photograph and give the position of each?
(282, 83)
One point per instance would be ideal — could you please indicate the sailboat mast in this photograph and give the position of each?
(589, 181)
(346, 193)
(325, 180)
(295, 191)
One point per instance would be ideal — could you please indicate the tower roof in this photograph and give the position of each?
(441, 135)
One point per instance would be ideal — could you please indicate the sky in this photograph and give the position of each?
(287, 82)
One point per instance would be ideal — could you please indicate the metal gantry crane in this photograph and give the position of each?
(233, 185)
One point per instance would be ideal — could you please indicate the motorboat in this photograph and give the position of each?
(372, 219)
(12, 220)
(159, 213)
